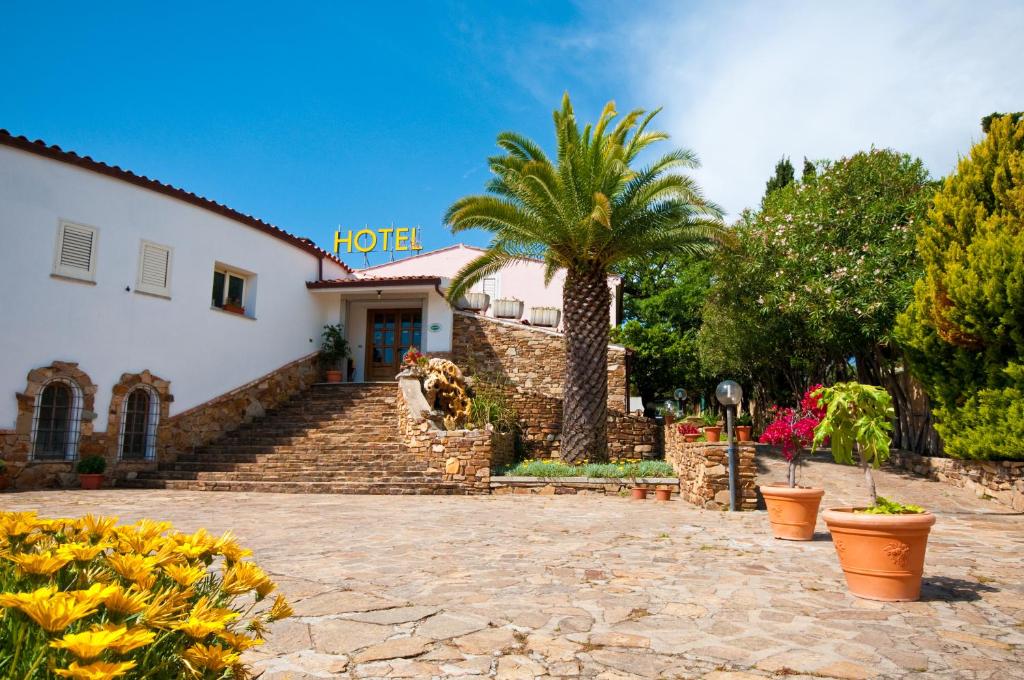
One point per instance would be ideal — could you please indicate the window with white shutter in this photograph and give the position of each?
(154, 269)
(75, 256)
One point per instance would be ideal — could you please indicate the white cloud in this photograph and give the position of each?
(745, 83)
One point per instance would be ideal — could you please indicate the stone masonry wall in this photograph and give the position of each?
(182, 432)
(703, 470)
(460, 460)
(1001, 480)
(529, 364)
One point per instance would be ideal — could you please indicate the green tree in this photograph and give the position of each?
(809, 171)
(584, 212)
(964, 331)
(662, 301)
(808, 288)
(783, 177)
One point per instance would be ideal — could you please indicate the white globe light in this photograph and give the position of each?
(729, 393)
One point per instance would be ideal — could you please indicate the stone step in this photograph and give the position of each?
(390, 489)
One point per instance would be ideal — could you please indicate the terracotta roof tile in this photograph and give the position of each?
(54, 152)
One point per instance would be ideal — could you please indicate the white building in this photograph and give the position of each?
(121, 274)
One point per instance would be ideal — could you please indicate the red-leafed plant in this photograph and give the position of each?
(686, 428)
(792, 429)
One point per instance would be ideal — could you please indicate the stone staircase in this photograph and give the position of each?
(332, 438)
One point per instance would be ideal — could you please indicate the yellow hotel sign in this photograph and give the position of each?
(389, 238)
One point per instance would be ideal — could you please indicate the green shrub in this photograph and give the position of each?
(623, 470)
(92, 465)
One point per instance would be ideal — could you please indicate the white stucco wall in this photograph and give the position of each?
(108, 328)
(522, 280)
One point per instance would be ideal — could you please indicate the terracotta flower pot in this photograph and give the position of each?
(792, 511)
(743, 433)
(663, 494)
(882, 556)
(669, 418)
(639, 493)
(333, 376)
(690, 438)
(91, 482)
(713, 434)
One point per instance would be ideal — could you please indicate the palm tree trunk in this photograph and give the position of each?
(586, 302)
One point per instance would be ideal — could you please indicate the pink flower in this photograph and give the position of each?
(793, 429)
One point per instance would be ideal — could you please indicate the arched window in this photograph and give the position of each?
(139, 416)
(57, 421)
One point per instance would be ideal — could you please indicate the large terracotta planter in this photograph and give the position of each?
(743, 433)
(91, 482)
(663, 494)
(792, 511)
(333, 376)
(639, 493)
(712, 434)
(881, 555)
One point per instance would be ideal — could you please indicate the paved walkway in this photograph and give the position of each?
(570, 586)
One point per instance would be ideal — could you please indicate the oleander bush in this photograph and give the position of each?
(625, 469)
(89, 599)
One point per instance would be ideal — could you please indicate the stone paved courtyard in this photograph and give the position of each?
(574, 586)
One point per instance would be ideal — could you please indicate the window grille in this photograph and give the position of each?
(56, 424)
(140, 413)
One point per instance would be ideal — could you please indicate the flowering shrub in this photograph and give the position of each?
(686, 428)
(413, 358)
(626, 468)
(89, 599)
(792, 429)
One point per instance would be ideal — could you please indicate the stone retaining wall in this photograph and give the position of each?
(528, 364)
(460, 460)
(584, 486)
(703, 470)
(1001, 480)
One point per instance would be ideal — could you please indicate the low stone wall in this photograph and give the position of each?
(632, 436)
(1001, 480)
(584, 486)
(459, 460)
(703, 470)
(210, 420)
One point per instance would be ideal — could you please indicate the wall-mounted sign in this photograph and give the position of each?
(434, 327)
(387, 239)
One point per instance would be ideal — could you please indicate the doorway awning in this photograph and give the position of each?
(376, 283)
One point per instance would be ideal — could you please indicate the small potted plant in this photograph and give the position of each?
(415, 362)
(689, 432)
(744, 427)
(712, 430)
(881, 546)
(90, 471)
(333, 350)
(793, 509)
(233, 305)
(4, 480)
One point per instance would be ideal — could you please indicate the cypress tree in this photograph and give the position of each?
(964, 330)
(809, 171)
(784, 176)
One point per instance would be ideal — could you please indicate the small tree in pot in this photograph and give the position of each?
(90, 471)
(332, 351)
(881, 547)
(744, 427)
(792, 509)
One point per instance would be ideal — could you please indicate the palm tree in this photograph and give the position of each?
(584, 213)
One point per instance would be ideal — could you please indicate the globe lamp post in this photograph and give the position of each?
(730, 394)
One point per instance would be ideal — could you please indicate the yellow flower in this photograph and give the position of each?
(239, 642)
(185, 575)
(81, 552)
(15, 524)
(130, 638)
(53, 611)
(165, 608)
(44, 563)
(95, 671)
(280, 610)
(95, 594)
(97, 526)
(90, 644)
(229, 548)
(242, 577)
(126, 601)
(133, 567)
(257, 628)
(205, 619)
(195, 546)
(211, 657)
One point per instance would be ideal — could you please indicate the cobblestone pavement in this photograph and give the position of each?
(570, 586)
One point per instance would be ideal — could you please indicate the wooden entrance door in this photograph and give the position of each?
(390, 334)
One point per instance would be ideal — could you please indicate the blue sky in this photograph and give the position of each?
(311, 115)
